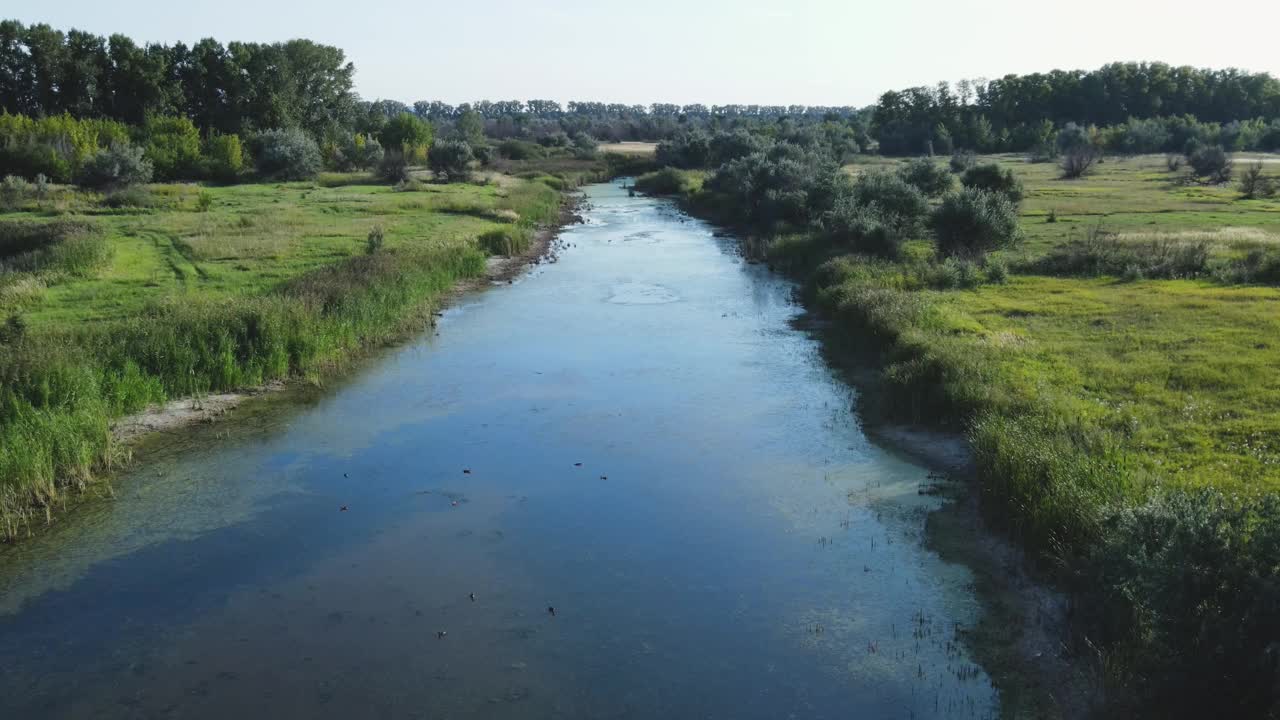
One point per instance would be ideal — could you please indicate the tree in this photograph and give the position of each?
(224, 157)
(408, 134)
(120, 164)
(1078, 149)
(1209, 163)
(932, 179)
(990, 176)
(451, 160)
(470, 127)
(288, 154)
(1254, 184)
(971, 222)
(173, 147)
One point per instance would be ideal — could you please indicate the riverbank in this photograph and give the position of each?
(184, 412)
(1095, 405)
(282, 286)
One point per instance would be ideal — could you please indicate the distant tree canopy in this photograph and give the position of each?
(236, 88)
(247, 88)
(1009, 113)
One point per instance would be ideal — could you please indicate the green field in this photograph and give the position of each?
(115, 302)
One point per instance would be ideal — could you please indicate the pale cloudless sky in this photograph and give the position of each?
(812, 52)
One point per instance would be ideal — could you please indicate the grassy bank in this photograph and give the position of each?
(114, 303)
(1117, 375)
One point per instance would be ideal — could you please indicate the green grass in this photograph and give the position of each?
(181, 297)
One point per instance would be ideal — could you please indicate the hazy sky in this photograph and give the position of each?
(812, 52)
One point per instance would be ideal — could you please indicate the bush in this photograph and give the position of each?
(134, 196)
(1210, 163)
(204, 201)
(900, 205)
(173, 147)
(513, 149)
(69, 246)
(861, 228)
(689, 150)
(1253, 184)
(997, 272)
(223, 157)
(394, 167)
(1187, 585)
(288, 154)
(962, 160)
(377, 238)
(1101, 252)
(932, 179)
(409, 134)
(451, 160)
(972, 222)
(667, 181)
(1257, 266)
(13, 191)
(1078, 150)
(121, 164)
(505, 241)
(584, 146)
(358, 152)
(992, 177)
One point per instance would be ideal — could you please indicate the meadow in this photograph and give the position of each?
(116, 301)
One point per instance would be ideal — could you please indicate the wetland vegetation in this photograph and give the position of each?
(1080, 271)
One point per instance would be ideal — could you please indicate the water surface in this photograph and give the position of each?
(634, 435)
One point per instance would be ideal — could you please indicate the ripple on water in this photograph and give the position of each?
(641, 294)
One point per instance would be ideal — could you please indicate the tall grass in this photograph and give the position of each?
(59, 389)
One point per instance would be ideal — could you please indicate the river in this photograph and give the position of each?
(636, 436)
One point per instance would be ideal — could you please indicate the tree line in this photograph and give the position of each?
(246, 89)
(1153, 106)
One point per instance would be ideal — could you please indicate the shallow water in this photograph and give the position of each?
(730, 546)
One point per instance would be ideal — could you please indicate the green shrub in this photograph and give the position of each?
(514, 149)
(134, 196)
(173, 147)
(75, 247)
(394, 167)
(972, 222)
(223, 157)
(506, 241)
(408, 134)
(1187, 585)
(1254, 184)
(14, 191)
(377, 238)
(667, 181)
(861, 228)
(1100, 252)
(288, 154)
(204, 201)
(1209, 163)
(962, 160)
(990, 176)
(932, 179)
(121, 164)
(451, 160)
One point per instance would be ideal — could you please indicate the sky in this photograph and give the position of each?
(807, 52)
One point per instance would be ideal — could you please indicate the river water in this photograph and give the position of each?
(635, 435)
